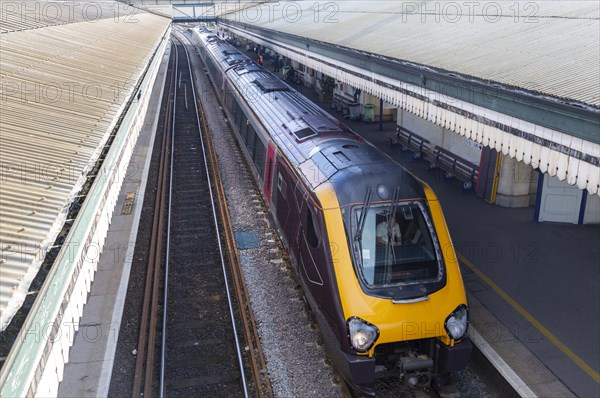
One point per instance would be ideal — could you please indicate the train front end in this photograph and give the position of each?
(399, 283)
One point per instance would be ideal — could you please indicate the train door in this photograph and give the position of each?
(314, 262)
(309, 246)
(282, 197)
(300, 202)
(269, 165)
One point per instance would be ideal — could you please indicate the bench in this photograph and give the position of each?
(409, 140)
(341, 103)
(455, 166)
(438, 157)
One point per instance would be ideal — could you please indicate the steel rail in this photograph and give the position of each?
(168, 249)
(258, 365)
(153, 262)
(216, 223)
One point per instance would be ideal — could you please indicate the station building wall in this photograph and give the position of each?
(517, 184)
(438, 135)
(517, 181)
(560, 202)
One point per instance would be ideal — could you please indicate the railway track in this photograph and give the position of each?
(189, 342)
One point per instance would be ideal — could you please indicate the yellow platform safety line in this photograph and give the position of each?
(559, 344)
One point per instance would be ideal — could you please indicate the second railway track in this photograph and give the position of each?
(198, 351)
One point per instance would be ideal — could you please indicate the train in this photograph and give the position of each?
(367, 239)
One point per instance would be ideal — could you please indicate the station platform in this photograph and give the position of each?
(533, 288)
(92, 356)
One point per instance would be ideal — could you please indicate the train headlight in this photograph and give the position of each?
(457, 322)
(362, 334)
(383, 191)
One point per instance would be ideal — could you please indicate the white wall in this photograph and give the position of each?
(514, 184)
(438, 135)
(560, 201)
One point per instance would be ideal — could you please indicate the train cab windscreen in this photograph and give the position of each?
(395, 244)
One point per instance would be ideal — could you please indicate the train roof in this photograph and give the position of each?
(315, 142)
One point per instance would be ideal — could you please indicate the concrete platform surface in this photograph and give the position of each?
(87, 374)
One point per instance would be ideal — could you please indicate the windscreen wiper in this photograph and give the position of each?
(363, 215)
(392, 215)
(395, 202)
(361, 224)
(389, 252)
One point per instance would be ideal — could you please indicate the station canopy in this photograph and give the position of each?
(545, 47)
(66, 71)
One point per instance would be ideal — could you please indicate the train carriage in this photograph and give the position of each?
(368, 240)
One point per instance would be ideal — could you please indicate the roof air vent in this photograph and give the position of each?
(269, 84)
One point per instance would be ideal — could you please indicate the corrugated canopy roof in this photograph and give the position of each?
(32, 14)
(61, 89)
(182, 8)
(547, 47)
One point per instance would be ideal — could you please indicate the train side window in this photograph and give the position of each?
(247, 132)
(237, 106)
(259, 155)
(229, 104)
(311, 233)
(250, 141)
(232, 105)
(281, 184)
(240, 118)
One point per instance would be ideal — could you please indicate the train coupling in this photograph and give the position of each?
(416, 370)
(418, 379)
